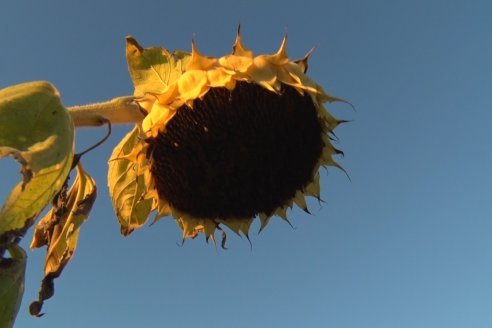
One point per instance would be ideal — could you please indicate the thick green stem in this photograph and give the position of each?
(122, 110)
(12, 272)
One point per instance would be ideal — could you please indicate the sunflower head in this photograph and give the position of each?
(224, 140)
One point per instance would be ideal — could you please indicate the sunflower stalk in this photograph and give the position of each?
(212, 147)
(121, 110)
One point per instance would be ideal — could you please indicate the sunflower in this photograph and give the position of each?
(224, 140)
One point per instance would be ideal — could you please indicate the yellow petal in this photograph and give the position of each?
(282, 212)
(209, 227)
(313, 189)
(284, 76)
(263, 220)
(238, 225)
(163, 209)
(193, 84)
(263, 72)
(326, 156)
(296, 73)
(220, 78)
(149, 181)
(300, 201)
(236, 63)
(158, 117)
(330, 121)
(169, 95)
(191, 227)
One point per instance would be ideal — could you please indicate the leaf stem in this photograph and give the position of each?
(121, 110)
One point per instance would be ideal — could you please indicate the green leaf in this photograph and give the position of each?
(127, 186)
(38, 132)
(12, 271)
(153, 69)
(59, 230)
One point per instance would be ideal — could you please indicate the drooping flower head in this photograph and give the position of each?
(224, 140)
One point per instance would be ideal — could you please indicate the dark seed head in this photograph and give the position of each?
(237, 153)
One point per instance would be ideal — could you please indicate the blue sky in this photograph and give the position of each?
(407, 242)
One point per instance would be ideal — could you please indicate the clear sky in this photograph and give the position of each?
(405, 243)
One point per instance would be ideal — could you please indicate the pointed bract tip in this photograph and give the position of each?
(181, 244)
(194, 49)
(283, 46)
(280, 57)
(306, 210)
(238, 48)
(207, 238)
(224, 239)
(288, 222)
(303, 62)
(199, 61)
(249, 240)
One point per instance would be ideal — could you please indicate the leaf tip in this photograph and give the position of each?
(130, 41)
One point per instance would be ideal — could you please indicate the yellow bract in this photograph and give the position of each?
(202, 73)
(189, 77)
